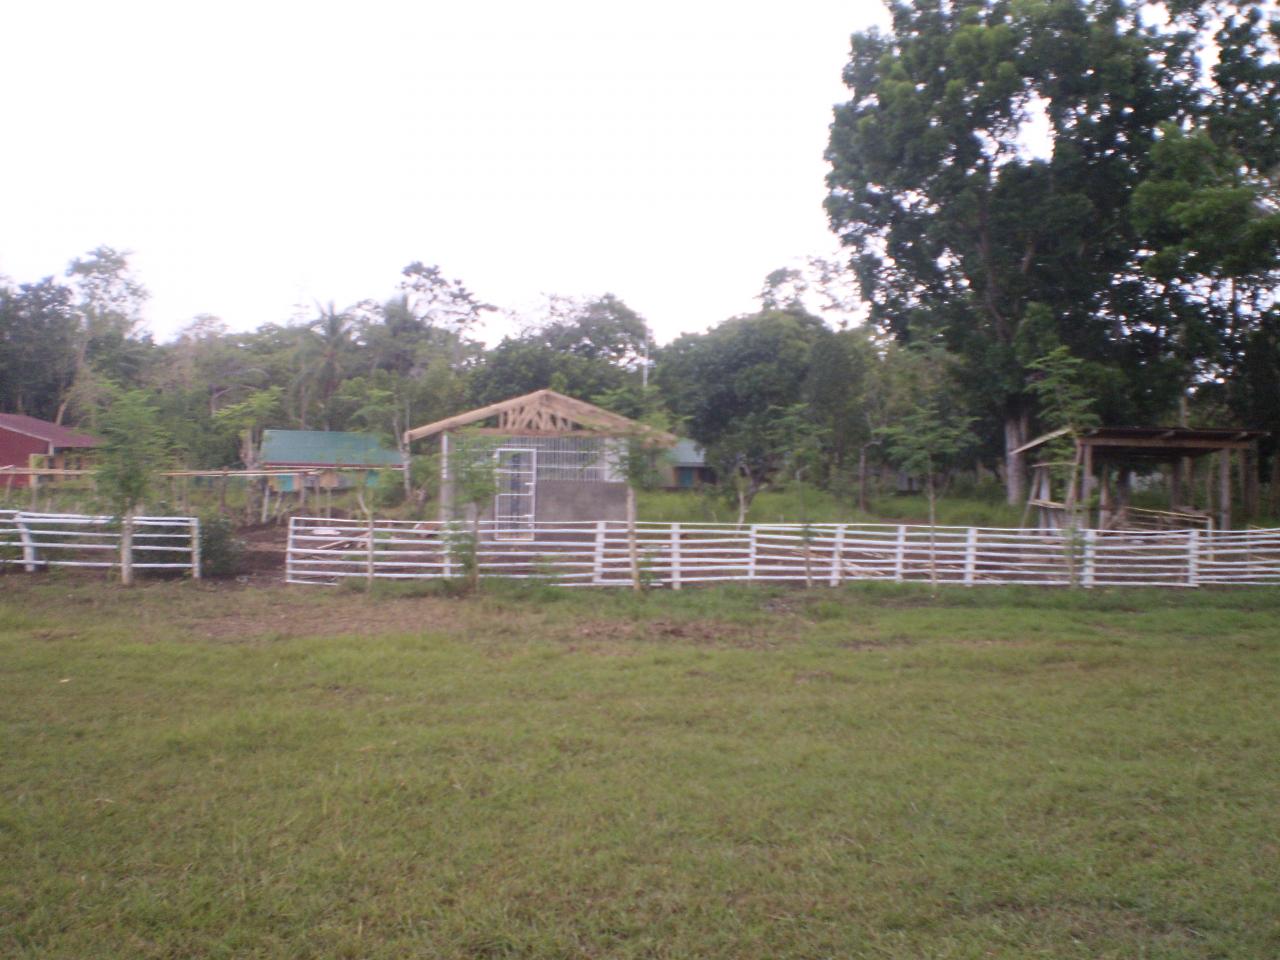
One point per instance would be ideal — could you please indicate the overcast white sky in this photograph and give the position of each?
(254, 156)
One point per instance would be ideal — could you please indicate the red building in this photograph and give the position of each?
(22, 437)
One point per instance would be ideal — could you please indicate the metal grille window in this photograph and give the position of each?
(584, 459)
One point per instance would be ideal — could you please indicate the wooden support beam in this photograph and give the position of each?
(1224, 489)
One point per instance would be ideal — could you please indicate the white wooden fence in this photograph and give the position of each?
(674, 554)
(40, 540)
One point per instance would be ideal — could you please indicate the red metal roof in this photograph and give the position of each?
(44, 430)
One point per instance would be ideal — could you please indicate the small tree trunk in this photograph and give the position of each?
(933, 532)
(126, 549)
(1015, 464)
(633, 551)
(474, 572)
(862, 478)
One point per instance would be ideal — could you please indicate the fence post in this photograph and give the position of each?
(837, 557)
(126, 549)
(970, 556)
(751, 552)
(1193, 558)
(1090, 553)
(900, 557)
(288, 550)
(195, 548)
(448, 536)
(28, 545)
(597, 559)
(675, 556)
(369, 553)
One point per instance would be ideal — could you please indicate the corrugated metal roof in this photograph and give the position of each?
(46, 431)
(325, 448)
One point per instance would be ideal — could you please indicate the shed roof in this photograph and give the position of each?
(325, 448)
(59, 436)
(1157, 443)
(546, 413)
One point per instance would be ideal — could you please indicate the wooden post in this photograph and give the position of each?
(1249, 496)
(369, 569)
(900, 555)
(126, 549)
(266, 499)
(1090, 553)
(751, 552)
(675, 556)
(597, 559)
(633, 551)
(1193, 558)
(28, 545)
(1086, 482)
(34, 482)
(971, 556)
(195, 548)
(1224, 490)
(837, 557)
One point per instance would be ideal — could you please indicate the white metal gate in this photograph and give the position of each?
(516, 472)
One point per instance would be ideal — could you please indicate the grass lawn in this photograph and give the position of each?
(201, 771)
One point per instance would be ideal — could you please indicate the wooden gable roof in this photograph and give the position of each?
(545, 413)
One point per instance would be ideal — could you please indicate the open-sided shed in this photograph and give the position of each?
(553, 458)
(1106, 458)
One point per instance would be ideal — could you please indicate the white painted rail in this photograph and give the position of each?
(37, 541)
(594, 553)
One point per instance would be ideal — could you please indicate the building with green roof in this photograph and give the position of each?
(337, 459)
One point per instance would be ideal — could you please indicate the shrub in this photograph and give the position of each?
(221, 552)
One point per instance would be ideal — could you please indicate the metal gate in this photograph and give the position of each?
(516, 472)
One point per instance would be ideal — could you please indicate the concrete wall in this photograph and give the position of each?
(575, 500)
(560, 500)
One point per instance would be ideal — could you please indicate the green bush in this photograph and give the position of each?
(221, 552)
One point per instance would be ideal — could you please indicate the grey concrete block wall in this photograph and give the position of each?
(575, 500)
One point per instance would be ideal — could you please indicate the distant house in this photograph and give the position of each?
(686, 467)
(30, 442)
(336, 460)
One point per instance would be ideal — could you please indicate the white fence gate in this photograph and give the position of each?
(595, 553)
(42, 540)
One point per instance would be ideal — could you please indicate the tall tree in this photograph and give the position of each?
(955, 223)
(109, 305)
(732, 384)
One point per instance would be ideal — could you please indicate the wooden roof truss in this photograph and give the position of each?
(545, 413)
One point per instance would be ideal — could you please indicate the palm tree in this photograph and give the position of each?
(324, 351)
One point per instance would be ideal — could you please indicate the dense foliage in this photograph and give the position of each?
(1045, 202)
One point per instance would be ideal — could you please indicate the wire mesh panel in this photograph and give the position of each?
(584, 459)
(515, 471)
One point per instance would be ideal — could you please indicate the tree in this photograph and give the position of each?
(730, 384)
(38, 330)
(956, 226)
(582, 348)
(109, 308)
(324, 355)
(1065, 405)
(248, 418)
(132, 452)
(438, 301)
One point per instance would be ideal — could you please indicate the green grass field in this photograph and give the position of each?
(201, 771)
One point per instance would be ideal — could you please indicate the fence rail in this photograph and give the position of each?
(37, 541)
(597, 553)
